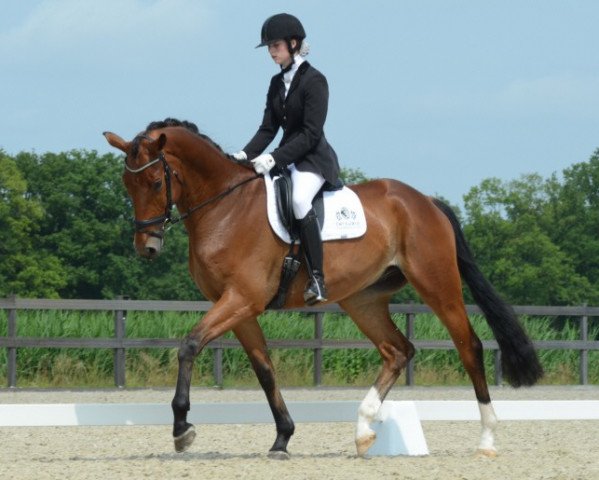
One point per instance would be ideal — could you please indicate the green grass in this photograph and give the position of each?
(46, 367)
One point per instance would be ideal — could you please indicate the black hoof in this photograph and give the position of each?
(278, 455)
(184, 441)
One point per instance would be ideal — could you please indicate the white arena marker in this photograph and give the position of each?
(398, 431)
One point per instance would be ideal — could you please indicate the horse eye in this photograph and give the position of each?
(157, 185)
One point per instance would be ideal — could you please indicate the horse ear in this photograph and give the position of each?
(161, 141)
(116, 141)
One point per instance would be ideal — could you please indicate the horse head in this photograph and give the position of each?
(148, 179)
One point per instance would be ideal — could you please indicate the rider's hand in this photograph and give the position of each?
(263, 163)
(240, 156)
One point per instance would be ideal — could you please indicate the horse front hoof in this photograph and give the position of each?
(278, 455)
(487, 452)
(364, 443)
(184, 441)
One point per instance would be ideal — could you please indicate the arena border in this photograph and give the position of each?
(129, 414)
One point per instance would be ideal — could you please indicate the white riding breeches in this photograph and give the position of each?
(305, 187)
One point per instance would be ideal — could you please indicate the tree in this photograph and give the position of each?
(351, 176)
(87, 224)
(24, 270)
(574, 221)
(507, 230)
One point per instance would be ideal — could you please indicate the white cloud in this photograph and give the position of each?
(558, 95)
(58, 30)
(561, 93)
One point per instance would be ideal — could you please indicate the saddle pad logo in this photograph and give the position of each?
(346, 218)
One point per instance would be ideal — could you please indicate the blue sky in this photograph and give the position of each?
(438, 94)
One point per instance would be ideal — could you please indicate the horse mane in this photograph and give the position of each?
(173, 122)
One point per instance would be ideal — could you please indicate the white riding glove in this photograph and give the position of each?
(240, 156)
(263, 163)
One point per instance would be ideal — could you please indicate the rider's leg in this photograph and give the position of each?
(305, 186)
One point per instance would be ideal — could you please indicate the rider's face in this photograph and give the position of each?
(279, 52)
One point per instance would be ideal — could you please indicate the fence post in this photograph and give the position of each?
(410, 334)
(318, 330)
(584, 354)
(497, 370)
(217, 368)
(11, 372)
(120, 318)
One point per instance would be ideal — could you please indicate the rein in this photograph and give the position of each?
(167, 220)
(172, 221)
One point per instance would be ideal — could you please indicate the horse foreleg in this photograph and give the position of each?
(371, 315)
(252, 339)
(184, 432)
(226, 314)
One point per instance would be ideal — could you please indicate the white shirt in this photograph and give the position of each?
(288, 76)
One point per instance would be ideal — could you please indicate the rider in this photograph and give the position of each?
(297, 101)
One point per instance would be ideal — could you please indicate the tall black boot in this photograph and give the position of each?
(312, 245)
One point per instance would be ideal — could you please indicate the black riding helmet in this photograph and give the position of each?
(281, 26)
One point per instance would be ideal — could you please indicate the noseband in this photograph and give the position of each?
(166, 220)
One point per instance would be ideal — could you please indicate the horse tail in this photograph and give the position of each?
(518, 357)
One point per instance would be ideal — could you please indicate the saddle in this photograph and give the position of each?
(283, 189)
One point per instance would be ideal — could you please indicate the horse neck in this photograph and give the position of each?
(207, 170)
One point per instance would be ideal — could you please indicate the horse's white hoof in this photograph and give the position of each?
(487, 452)
(278, 455)
(184, 441)
(365, 442)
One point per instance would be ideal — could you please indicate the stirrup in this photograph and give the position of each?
(315, 291)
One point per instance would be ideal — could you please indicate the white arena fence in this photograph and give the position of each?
(116, 414)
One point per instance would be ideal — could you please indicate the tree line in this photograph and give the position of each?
(66, 232)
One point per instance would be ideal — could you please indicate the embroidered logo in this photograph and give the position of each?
(346, 218)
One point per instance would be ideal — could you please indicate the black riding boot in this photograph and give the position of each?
(312, 245)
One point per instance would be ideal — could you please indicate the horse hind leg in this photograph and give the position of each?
(447, 302)
(252, 339)
(370, 312)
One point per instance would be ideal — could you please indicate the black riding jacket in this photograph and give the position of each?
(301, 115)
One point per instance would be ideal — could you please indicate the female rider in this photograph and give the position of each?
(297, 101)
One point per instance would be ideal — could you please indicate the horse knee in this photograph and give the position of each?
(188, 350)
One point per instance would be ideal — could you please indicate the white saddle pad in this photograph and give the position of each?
(343, 214)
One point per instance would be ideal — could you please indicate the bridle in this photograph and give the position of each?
(166, 220)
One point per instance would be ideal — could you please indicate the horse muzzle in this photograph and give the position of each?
(150, 246)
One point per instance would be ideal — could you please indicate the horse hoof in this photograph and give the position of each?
(278, 455)
(364, 443)
(184, 441)
(487, 452)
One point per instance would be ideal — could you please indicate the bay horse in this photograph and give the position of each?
(235, 260)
